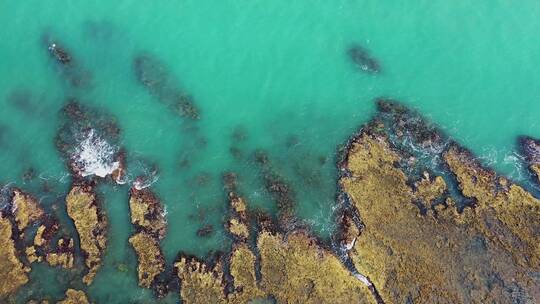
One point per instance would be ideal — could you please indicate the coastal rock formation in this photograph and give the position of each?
(237, 223)
(416, 245)
(147, 213)
(63, 256)
(530, 147)
(294, 268)
(13, 274)
(74, 297)
(91, 224)
(148, 217)
(151, 260)
(25, 209)
(89, 141)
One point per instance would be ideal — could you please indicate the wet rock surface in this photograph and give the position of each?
(530, 148)
(150, 257)
(487, 252)
(147, 214)
(148, 217)
(294, 268)
(88, 139)
(74, 297)
(90, 222)
(13, 274)
(25, 209)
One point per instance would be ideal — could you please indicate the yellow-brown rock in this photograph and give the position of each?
(509, 215)
(63, 256)
(25, 209)
(151, 260)
(237, 224)
(199, 283)
(39, 240)
(428, 190)
(294, 269)
(442, 256)
(74, 297)
(91, 225)
(12, 271)
(147, 213)
(31, 255)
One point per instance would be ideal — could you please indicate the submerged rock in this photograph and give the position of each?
(157, 79)
(205, 231)
(75, 75)
(74, 297)
(486, 253)
(530, 147)
(91, 225)
(361, 57)
(13, 274)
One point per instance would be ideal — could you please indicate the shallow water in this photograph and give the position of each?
(273, 77)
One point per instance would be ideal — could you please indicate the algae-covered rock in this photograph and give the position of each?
(91, 224)
(63, 256)
(151, 260)
(200, 283)
(295, 269)
(148, 217)
(237, 224)
(25, 209)
(486, 252)
(12, 271)
(147, 213)
(74, 297)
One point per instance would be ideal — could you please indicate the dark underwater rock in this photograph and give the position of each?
(157, 79)
(361, 57)
(205, 231)
(72, 71)
(59, 53)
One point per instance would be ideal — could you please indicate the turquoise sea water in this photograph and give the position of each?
(275, 72)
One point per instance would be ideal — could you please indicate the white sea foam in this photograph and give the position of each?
(141, 183)
(363, 279)
(95, 156)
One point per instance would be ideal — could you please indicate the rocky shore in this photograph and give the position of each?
(419, 220)
(416, 245)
